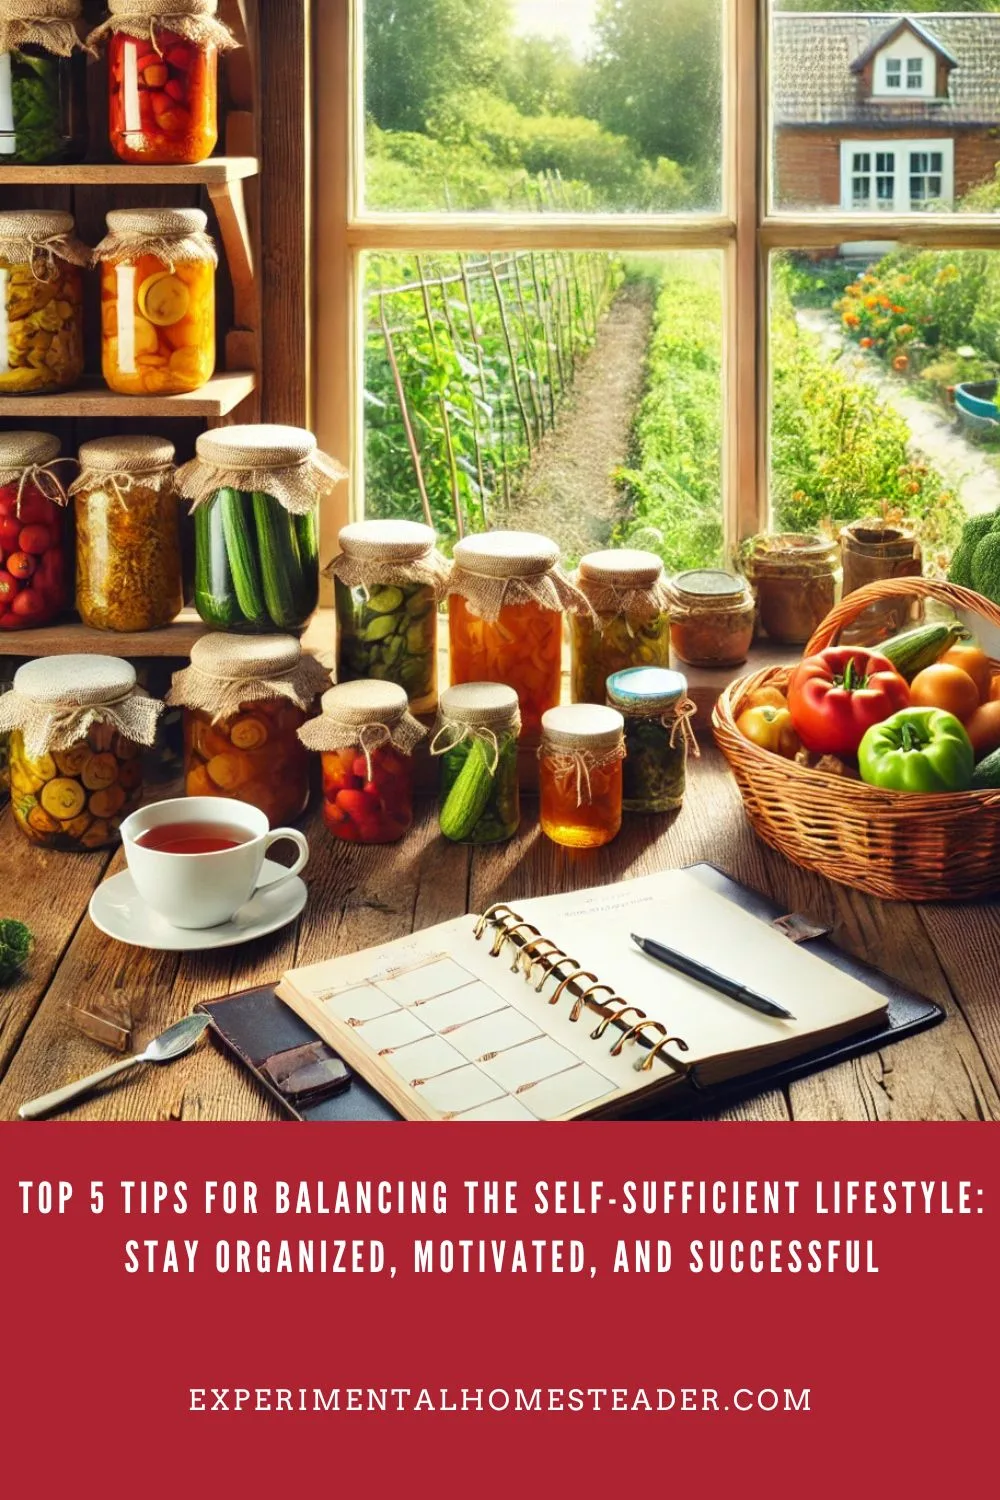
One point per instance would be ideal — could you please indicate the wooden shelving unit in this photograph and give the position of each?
(223, 393)
(217, 169)
(71, 638)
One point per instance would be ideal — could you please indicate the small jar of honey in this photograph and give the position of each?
(580, 774)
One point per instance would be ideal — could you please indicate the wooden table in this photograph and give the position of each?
(361, 896)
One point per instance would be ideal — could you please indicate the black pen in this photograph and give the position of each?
(694, 970)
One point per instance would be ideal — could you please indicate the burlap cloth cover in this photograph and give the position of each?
(194, 20)
(174, 235)
(38, 238)
(379, 552)
(55, 700)
(476, 711)
(628, 582)
(580, 738)
(283, 462)
(118, 463)
(31, 458)
(366, 713)
(512, 567)
(50, 24)
(227, 671)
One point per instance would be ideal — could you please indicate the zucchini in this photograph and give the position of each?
(214, 597)
(987, 773)
(916, 649)
(281, 570)
(470, 791)
(237, 529)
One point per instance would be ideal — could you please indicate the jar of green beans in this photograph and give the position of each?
(476, 739)
(658, 735)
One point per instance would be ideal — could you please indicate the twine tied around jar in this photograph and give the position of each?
(49, 24)
(283, 462)
(482, 711)
(228, 671)
(677, 720)
(175, 236)
(30, 458)
(123, 462)
(626, 583)
(581, 764)
(376, 553)
(496, 568)
(56, 699)
(368, 713)
(39, 239)
(194, 20)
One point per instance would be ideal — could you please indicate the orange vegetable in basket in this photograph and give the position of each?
(974, 661)
(983, 728)
(947, 687)
(771, 728)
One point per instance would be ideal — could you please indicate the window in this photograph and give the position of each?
(896, 176)
(914, 73)
(926, 177)
(894, 72)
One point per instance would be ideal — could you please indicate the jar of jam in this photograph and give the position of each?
(366, 737)
(580, 774)
(796, 577)
(77, 726)
(43, 87)
(35, 585)
(41, 303)
(476, 738)
(630, 626)
(711, 618)
(658, 736)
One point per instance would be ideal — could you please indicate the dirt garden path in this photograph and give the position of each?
(965, 466)
(568, 490)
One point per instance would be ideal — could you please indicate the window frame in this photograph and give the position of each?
(903, 150)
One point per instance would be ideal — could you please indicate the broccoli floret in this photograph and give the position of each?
(960, 571)
(16, 942)
(977, 527)
(986, 567)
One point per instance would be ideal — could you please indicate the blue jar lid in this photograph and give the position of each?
(646, 687)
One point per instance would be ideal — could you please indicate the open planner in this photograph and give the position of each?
(547, 1010)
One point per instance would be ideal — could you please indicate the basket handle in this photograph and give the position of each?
(854, 604)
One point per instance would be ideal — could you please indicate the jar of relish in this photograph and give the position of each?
(658, 736)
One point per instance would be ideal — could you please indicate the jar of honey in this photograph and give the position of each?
(580, 774)
(711, 618)
(630, 626)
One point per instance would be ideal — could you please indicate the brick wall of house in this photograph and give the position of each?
(807, 162)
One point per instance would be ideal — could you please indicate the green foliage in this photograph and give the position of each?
(541, 76)
(16, 943)
(913, 8)
(419, 52)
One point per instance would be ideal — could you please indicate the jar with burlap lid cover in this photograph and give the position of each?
(43, 90)
(157, 301)
(366, 737)
(255, 493)
(389, 578)
(580, 774)
(163, 89)
(245, 698)
(659, 736)
(77, 727)
(476, 737)
(796, 577)
(712, 614)
(128, 540)
(507, 595)
(630, 626)
(35, 585)
(41, 338)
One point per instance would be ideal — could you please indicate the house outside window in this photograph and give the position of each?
(914, 73)
(893, 72)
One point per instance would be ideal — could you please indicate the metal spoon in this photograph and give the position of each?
(173, 1042)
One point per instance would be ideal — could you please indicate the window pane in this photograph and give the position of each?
(579, 395)
(543, 105)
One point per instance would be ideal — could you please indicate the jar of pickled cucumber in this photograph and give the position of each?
(388, 579)
(35, 586)
(630, 626)
(77, 726)
(506, 599)
(476, 738)
(255, 495)
(43, 113)
(658, 736)
(157, 301)
(41, 287)
(580, 774)
(366, 737)
(245, 698)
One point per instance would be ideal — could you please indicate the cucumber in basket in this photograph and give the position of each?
(916, 649)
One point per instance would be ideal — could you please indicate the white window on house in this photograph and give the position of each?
(896, 176)
(894, 72)
(905, 66)
(926, 177)
(915, 73)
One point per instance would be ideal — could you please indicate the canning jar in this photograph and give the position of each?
(43, 113)
(366, 737)
(157, 301)
(255, 495)
(580, 774)
(476, 738)
(388, 580)
(34, 539)
(870, 551)
(128, 541)
(77, 727)
(41, 321)
(245, 698)
(711, 618)
(507, 595)
(796, 577)
(630, 626)
(658, 736)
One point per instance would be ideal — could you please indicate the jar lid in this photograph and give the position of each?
(42, 10)
(394, 540)
(655, 688)
(506, 554)
(711, 583)
(229, 657)
(628, 567)
(788, 549)
(367, 701)
(473, 703)
(23, 450)
(125, 452)
(35, 224)
(156, 222)
(255, 445)
(75, 681)
(156, 8)
(583, 726)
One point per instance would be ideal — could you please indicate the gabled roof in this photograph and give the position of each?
(905, 23)
(814, 84)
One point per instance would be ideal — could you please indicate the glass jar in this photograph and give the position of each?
(796, 577)
(580, 775)
(41, 348)
(870, 551)
(658, 735)
(631, 623)
(711, 618)
(387, 581)
(43, 115)
(163, 99)
(128, 542)
(157, 302)
(34, 538)
(476, 738)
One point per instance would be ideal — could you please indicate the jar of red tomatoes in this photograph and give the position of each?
(366, 737)
(34, 542)
(163, 94)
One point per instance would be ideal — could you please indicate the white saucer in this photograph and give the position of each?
(117, 909)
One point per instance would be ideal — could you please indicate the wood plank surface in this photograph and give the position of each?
(119, 174)
(219, 396)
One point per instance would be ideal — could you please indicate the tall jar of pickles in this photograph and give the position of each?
(630, 626)
(41, 288)
(157, 301)
(245, 698)
(35, 585)
(43, 112)
(77, 727)
(507, 596)
(388, 580)
(580, 774)
(476, 738)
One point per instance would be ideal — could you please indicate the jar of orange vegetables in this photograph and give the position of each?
(245, 698)
(580, 774)
(41, 302)
(507, 596)
(157, 301)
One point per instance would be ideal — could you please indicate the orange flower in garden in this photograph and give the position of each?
(901, 363)
(852, 320)
(871, 302)
(867, 343)
(897, 308)
(883, 301)
(853, 289)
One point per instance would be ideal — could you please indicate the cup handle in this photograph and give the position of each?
(298, 839)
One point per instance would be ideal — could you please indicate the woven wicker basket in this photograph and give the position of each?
(902, 846)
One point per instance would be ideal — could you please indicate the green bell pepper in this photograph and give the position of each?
(917, 750)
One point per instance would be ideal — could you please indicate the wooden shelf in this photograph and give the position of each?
(218, 398)
(217, 169)
(173, 640)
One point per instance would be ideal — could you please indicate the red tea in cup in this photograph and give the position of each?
(193, 837)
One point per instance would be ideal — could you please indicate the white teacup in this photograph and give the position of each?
(203, 890)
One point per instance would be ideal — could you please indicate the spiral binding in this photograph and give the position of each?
(509, 927)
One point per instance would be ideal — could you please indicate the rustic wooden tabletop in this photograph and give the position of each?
(361, 896)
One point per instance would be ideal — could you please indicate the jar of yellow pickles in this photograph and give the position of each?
(41, 292)
(580, 774)
(630, 626)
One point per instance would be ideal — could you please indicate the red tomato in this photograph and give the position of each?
(8, 500)
(20, 565)
(10, 530)
(354, 803)
(35, 539)
(10, 621)
(8, 588)
(28, 603)
(34, 508)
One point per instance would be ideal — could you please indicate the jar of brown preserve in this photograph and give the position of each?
(796, 577)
